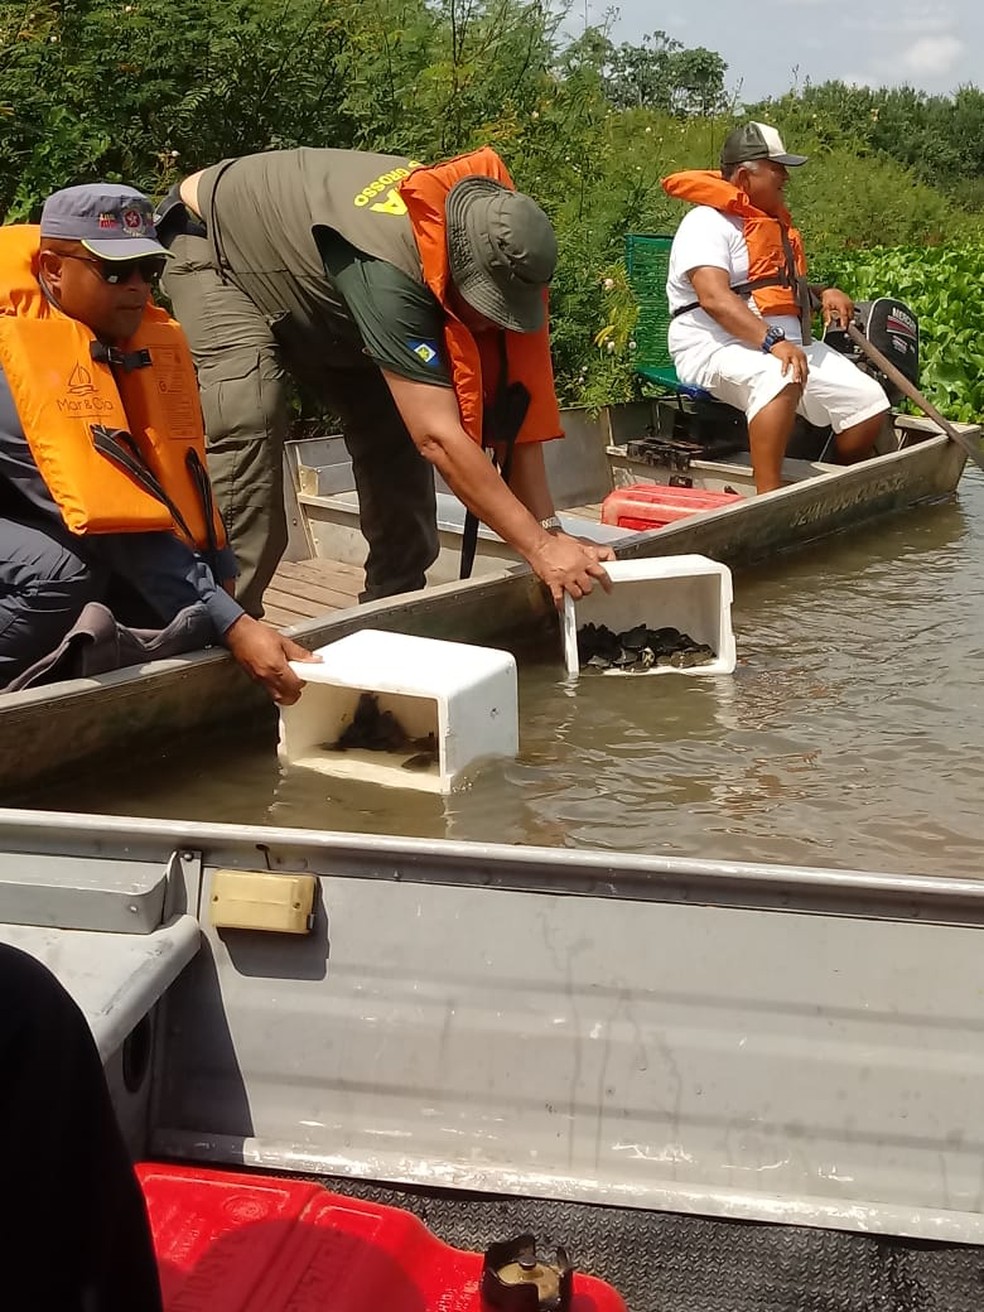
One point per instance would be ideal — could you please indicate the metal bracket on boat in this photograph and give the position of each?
(514, 1279)
(184, 881)
(667, 452)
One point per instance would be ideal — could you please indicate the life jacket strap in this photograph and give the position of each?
(117, 444)
(740, 289)
(202, 482)
(128, 361)
(501, 424)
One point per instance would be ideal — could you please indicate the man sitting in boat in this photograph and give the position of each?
(106, 511)
(413, 301)
(741, 308)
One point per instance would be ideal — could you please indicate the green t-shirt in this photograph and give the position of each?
(400, 321)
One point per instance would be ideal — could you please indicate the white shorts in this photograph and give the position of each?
(837, 392)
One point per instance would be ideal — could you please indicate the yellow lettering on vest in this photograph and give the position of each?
(380, 184)
(393, 204)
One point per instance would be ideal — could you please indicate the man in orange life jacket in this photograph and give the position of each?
(412, 301)
(103, 493)
(741, 308)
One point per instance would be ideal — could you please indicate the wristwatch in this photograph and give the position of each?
(550, 523)
(773, 334)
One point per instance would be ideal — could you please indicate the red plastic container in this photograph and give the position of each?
(651, 505)
(229, 1242)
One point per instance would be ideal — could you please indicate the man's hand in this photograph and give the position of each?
(793, 360)
(566, 564)
(263, 653)
(837, 307)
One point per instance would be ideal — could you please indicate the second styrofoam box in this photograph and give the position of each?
(464, 695)
(689, 593)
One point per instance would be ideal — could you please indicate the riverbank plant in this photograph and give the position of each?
(146, 90)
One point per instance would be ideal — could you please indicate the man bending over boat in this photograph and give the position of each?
(106, 511)
(741, 308)
(413, 301)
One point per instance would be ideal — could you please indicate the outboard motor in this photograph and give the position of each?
(890, 326)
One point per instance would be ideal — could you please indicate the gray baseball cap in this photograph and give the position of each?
(757, 141)
(502, 252)
(110, 220)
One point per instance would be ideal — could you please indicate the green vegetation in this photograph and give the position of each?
(942, 284)
(145, 90)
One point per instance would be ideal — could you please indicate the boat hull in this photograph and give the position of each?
(772, 1043)
(49, 731)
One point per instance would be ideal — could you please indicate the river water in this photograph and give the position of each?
(851, 734)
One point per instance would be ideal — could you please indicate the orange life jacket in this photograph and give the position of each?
(120, 450)
(776, 263)
(475, 360)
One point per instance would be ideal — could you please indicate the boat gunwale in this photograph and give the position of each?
(51, 729)
(584, 872)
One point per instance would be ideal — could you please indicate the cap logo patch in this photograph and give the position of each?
(108, 221)
(133, 222)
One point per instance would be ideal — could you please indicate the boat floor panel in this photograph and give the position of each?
(667, 1262)
(307, 589)
(232, 1242)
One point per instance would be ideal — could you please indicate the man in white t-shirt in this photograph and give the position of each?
(740, 307)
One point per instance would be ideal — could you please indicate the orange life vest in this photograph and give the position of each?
(475, 360)
(776, 263)
(120, 450)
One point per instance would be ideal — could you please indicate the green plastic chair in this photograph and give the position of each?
(647, 259)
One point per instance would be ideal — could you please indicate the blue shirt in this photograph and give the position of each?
(166, 573)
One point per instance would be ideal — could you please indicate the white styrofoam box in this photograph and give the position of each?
(689, 593)
(465, 696)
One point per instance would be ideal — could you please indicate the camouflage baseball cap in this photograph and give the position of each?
(110, 220)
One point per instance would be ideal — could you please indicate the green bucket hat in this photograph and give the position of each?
(502, 252)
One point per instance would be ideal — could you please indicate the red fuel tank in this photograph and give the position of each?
(230, 1242)
(652, 505)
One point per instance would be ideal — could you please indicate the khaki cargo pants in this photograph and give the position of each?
(242, 367)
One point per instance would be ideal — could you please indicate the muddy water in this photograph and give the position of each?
(851, 734)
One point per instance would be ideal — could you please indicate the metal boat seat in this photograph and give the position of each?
(103, 928)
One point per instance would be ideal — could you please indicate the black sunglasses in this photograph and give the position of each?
(117, 272)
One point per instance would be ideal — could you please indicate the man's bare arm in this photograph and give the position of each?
(528, 479)
(731, 311)
(726, 307)
(431, 416)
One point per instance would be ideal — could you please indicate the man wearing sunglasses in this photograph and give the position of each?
(106, 511)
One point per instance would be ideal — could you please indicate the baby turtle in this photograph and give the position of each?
(371, 729)
(634, 639)
(597, 640)
(639, 648)
(426, 755)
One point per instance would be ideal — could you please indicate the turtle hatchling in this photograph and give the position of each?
(639, 649)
